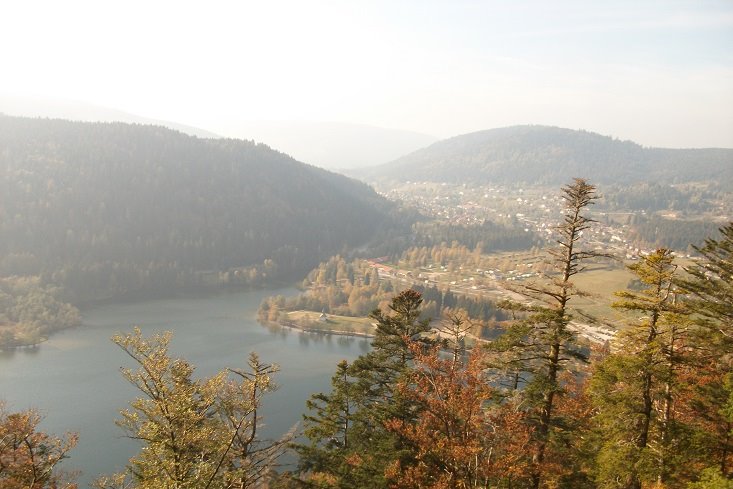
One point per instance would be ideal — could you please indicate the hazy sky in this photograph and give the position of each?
(657, 72)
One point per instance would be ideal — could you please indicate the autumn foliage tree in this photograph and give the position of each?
(196, 433)
(451, 437)
(29, 457)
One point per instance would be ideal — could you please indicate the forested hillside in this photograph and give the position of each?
(75, 110)
(108, 209)
(548, 155)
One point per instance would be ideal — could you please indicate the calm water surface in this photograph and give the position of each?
(74, 381)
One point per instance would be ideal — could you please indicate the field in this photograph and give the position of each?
(309, 321)
(601, 283)
(598, 283)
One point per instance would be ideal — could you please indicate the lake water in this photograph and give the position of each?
(74, 380)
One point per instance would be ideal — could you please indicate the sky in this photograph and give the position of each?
(656, 72)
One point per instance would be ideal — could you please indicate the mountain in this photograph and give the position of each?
(551, 155)
(333, 145)
(82, 111)
(111, 208)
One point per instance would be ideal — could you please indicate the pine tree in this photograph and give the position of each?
(537, 349)
(337, 436)
(348, 442)
(709, 285)
(634, 387)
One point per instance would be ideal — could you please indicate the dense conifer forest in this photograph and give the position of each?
(542, 155)
(114, 209)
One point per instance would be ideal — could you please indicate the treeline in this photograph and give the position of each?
(542, 155)
(111, 209)
(356, 289)
(483, 313)
(653, 197)
(30, 311)
(450, 256)
(489, 236)
(336, 287)
(676, 234)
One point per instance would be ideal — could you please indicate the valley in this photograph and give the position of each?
(366, 245)
(143, 225)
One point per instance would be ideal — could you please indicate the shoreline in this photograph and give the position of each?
(335, 332)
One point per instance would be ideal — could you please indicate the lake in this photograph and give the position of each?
(73, 379)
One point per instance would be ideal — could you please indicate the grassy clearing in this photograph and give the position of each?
(601, 283)
(309, 321)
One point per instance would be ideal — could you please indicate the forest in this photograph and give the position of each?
(489, 235)
(672, 233)
(355, 289)
(538, 407)
(108, 210)
(30, 311)
(653, 197)
(545, 155)
(95, 211)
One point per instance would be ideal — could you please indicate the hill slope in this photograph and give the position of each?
(107, 209)
(551, 155)
(82, 111)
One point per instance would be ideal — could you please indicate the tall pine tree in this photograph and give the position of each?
(536, 350)
(709, 284)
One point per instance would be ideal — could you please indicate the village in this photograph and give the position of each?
(498, 275)
(535, 209)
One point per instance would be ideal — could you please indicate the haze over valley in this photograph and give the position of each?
(392, 245)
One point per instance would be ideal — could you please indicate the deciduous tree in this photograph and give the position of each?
(451, 438)
(29, 457)
(196, 433)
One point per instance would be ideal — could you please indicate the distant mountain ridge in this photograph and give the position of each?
(85, 112)
(110, 208)
(551, 155)
(333, 145)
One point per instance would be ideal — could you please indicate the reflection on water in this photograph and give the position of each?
(30, 351)
(345, 340)
(7, 354)
(73, 379)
